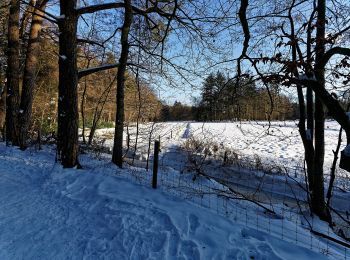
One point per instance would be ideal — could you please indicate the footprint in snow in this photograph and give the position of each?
(193, 223)
(251, 233)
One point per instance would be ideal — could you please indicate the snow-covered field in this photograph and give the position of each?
(259, 145)
(275, 143)
(47, 212)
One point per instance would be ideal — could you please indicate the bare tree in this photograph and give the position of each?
(303, 66)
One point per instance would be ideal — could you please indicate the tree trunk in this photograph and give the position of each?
(12, 100)
(30, 69)
(68, 116)
(317, 196)
(117, 156)
(82, 104)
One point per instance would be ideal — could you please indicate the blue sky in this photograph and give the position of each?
(191, 54)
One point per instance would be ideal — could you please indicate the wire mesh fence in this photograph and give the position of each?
(285, 218)
(268, 196)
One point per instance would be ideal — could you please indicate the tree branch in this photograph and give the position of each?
(330, 53)
(333, 106)
(98, 7)
(86, 72)
(90, 42)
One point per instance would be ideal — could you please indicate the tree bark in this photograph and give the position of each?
(317, 195)
(30, 68)
(12, 100)
(68, 115)
(117, 156)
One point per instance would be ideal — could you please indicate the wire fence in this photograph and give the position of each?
(290, 220)
(266, 196)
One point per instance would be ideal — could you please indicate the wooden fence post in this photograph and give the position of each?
(155, 164)
(39, 139)
(225, 157)
(128, 141)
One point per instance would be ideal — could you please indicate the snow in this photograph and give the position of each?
(265, 160)
(47, 212)
(275, 143)
(278, 142)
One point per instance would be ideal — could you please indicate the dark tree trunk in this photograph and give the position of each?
(68, 116)
(30, 69)
(317, 196)
(117, 156)
(12, 100)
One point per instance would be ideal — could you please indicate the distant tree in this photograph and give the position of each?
(180, 112)
(212, 94)
(165, 114)
(225, 99)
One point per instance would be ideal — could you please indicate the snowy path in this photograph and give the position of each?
(47, 212)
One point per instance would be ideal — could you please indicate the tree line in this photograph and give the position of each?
(221, 99)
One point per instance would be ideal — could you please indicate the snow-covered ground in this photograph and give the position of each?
(275, 143)
(47, 212)
(278, 141)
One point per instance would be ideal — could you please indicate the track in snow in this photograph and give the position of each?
(47, 212)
